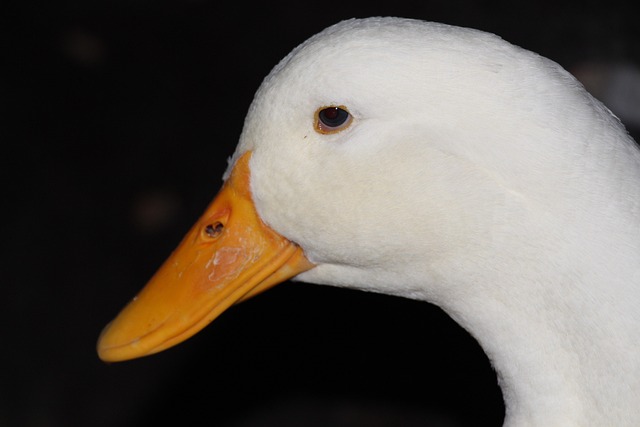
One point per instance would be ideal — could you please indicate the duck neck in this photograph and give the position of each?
(564, 348)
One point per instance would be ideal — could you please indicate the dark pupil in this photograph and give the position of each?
(333, 116)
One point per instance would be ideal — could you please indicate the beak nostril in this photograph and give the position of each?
(214, 230)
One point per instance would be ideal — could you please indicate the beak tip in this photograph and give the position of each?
(118, 344)
(102, 346)
(111, 349)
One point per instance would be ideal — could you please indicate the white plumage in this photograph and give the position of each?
(472, 174)
(475, 175)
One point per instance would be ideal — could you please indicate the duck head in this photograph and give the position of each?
(403, 157)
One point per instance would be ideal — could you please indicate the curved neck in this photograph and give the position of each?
(565, 351)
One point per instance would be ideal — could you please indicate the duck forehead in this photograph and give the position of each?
(393, 44)
(401, 65)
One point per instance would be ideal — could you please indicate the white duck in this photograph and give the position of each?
(436, 163)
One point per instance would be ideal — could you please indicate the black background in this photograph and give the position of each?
(118, 118)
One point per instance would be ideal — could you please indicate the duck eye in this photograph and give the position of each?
(332, 119)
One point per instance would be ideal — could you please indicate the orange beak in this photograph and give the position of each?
(229, 255)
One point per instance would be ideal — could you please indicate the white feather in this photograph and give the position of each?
(478, 176)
